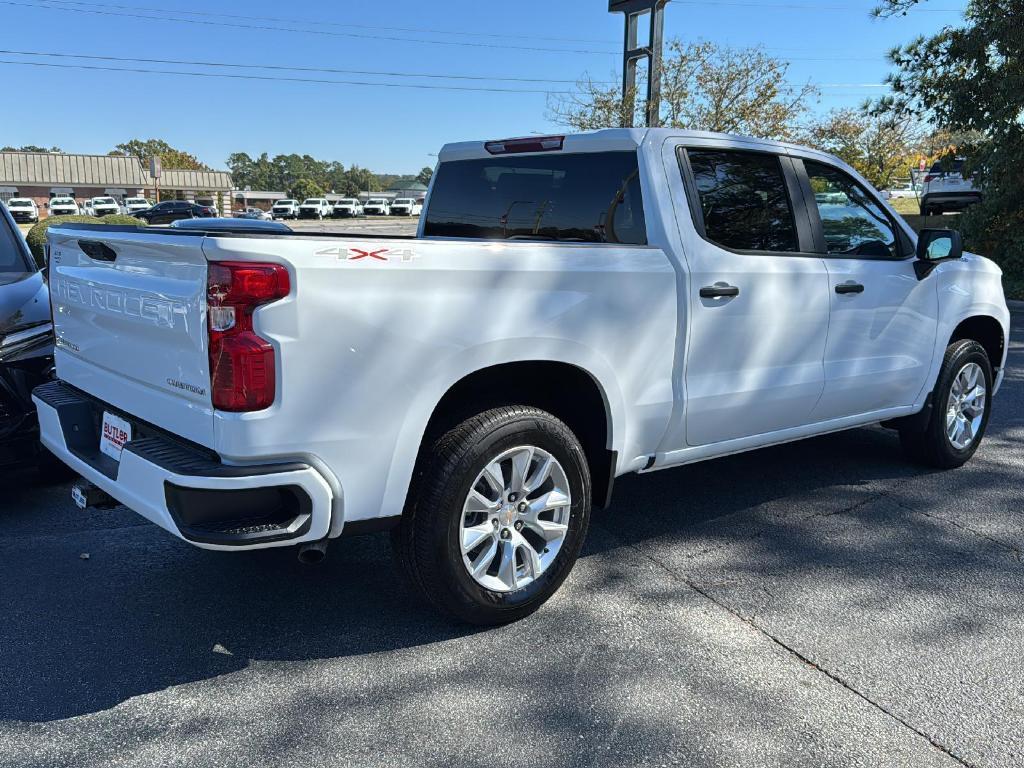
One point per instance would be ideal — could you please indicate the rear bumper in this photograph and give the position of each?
(182, 488)
(951, 198)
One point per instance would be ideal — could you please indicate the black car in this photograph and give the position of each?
(174, 210)
(26, 349)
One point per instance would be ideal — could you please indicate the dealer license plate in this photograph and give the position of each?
(115, 433)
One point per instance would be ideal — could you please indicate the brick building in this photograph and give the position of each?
(42, 176)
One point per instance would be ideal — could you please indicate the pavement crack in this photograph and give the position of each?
(696, 587)
(1014, 550)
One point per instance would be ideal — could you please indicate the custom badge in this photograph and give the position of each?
(369, 254)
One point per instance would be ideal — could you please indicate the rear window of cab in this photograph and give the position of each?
(585, 197)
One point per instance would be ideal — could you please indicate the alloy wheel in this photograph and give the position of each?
(965, 408)
(515, 519)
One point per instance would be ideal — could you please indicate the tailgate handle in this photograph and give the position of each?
(94, 249)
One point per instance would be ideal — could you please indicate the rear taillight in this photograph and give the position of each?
(930, 177)
(529, 144)
(242, 364)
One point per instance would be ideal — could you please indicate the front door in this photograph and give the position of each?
(758, 301)
(883, 319)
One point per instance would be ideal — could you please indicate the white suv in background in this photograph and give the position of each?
(105, 206)
(315, 208)
(347, 208)
(946, 189)
(23, 210)
(63, 206)
(377, 206)
(134, 204)
(406, 206)
(285, 209)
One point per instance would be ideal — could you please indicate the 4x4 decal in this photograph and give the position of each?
(378, 254)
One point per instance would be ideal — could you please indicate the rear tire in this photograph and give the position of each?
(959, 412)
(522, 557)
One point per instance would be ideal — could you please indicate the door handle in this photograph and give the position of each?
(850, 287)
(719, 290)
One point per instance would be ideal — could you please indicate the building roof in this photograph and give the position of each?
(49, 169)
(407, 184)
(259, 194)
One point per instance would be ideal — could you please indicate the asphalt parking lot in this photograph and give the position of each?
(818, 604)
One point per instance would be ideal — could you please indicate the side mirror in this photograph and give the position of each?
(938, 244)
(935, 245)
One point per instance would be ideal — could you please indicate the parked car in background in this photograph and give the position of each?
(63, 206)
(901, 190)
(86, 208)
(26, 350)
(377, 206)
(173, 210)
(253, 213)
(315, 208)
(105, 206)
(285, 209)
(945, 188)
(576, 308)
(133, 205)
(23, 210)
(347, 208)
(406, 206)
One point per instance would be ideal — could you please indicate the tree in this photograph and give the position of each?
(362, 180)
(969, 79)
(306, 188)
(424, 176)
(880, 148)
(704, 87)
(34, 148)
(169, 156)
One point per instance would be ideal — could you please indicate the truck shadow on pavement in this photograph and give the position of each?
(145, 612)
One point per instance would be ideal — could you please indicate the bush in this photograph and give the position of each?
(37, 235)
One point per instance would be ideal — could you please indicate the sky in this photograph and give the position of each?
(517, 51)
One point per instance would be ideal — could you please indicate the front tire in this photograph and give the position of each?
(960, 410)
(497, 515)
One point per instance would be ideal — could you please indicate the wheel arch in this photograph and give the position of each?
(589, 403)
(987, 331)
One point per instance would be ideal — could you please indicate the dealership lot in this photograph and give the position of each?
(822, 603)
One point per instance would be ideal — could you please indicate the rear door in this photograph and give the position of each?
(883, 320)
(129, 311)
(758, 296)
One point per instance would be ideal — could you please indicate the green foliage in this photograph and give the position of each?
(704, 87)
(306, 188)
(424, 176)
(284, 172)
(169, 156)
(34, 148)
(879, 147)
(969, 79)
(37, 235)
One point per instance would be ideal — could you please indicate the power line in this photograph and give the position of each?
(288, 68)
(138, 70)
(279, 67)
(266, 28)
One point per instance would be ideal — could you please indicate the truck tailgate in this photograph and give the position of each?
(129, 311)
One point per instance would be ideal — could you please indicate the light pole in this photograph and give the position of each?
(632, 53)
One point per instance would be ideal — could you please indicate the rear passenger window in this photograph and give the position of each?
(589, 197)
(743, 200)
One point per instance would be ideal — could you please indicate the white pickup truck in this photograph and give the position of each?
(572, 309)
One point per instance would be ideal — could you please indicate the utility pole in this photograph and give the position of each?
(633, 52)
